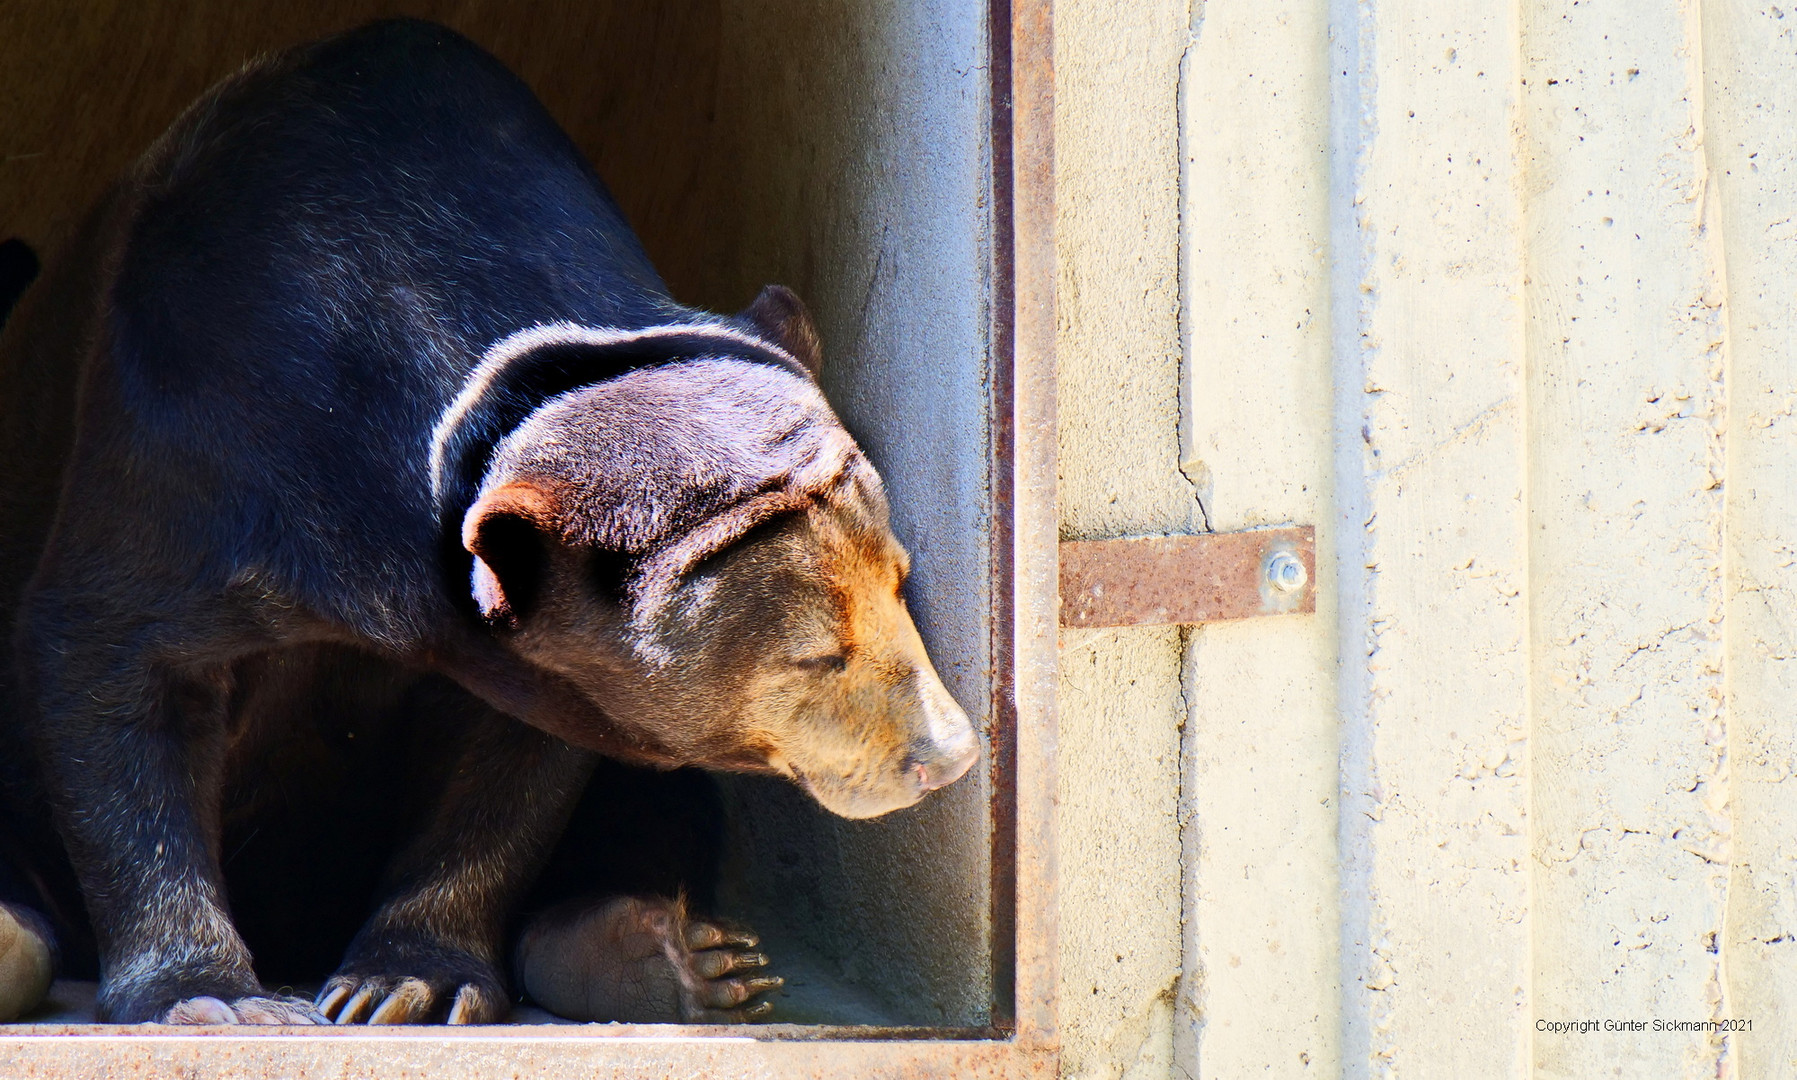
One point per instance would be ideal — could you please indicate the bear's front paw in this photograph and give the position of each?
(407, 979)
(260, 1009)
(642, 960)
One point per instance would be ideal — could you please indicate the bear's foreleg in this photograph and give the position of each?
(432, 952)
(133, 758)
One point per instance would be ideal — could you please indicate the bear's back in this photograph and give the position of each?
(389, 195)
(271, 310)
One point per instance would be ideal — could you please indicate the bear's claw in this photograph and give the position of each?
(352, 999)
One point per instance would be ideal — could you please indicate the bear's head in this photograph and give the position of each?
(701, 548)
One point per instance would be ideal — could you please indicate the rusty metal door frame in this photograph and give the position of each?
(1023, 1040)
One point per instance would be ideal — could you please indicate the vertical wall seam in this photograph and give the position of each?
(1192, 466)
(1353, 129)
(1716, 264)
(1188, 999)
(1188, 1009)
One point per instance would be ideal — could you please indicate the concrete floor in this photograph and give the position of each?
(812, 995)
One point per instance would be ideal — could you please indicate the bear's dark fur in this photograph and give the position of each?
(354, 427)
(18, 267)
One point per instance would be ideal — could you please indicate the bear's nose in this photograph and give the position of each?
(943, 765)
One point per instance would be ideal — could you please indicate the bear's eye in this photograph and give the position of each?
(827, 662)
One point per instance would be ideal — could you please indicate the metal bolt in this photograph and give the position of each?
(1286, 572)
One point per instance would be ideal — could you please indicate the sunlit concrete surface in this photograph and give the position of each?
(1501, 298)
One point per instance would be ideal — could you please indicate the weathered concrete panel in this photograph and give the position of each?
(1562, 326)
(1117, 234)
(1750, 121)
(1117, 231)
(1260, 992)
(1629, 789)
(1119, 844)
(1430, 476)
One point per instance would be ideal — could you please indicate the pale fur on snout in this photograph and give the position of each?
(876, 731)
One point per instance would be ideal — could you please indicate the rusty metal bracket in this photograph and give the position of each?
(1189, 579)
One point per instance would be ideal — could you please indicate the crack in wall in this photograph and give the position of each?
(1192, 467)
(1189, 996)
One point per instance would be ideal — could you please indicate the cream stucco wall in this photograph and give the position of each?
(1501, 298)
(1117, 231)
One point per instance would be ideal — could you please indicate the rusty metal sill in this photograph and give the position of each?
(538, 1032)
(549, 1051)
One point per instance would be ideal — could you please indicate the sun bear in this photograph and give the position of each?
(362, 492)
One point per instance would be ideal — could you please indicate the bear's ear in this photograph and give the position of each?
(507, 530)
(780, 316)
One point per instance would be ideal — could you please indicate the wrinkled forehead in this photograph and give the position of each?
(825, 537)
(675, 463)
(841, 519)
(853, 523)
(753, 416)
